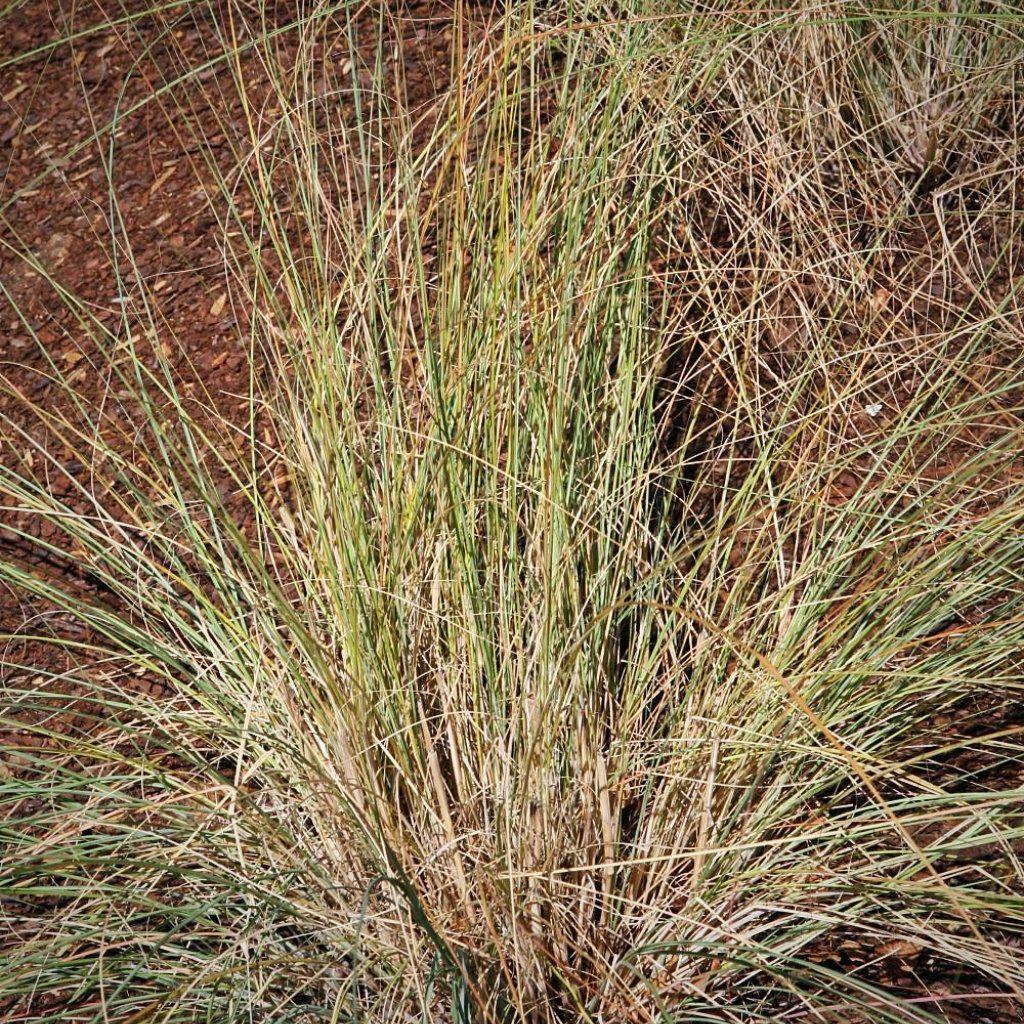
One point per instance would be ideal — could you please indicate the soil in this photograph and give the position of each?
(60, 188)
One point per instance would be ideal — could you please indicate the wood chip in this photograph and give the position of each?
(162, 179)
(904, 949)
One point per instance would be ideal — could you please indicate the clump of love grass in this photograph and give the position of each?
(556, 638)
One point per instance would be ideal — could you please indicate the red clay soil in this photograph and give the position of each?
(58, 183)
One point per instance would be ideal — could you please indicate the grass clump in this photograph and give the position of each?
(555, 635)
